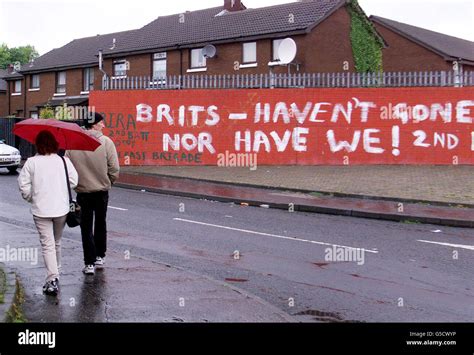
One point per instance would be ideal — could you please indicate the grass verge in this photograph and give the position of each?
(15, 313)
(3, 285)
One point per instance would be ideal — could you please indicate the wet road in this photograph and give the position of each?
(298, 262)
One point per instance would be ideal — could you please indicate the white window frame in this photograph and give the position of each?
(87, 75)
(123, 72)
(61, 88)
(159, 58)
(192, 64)
(249, 46)
(34, 88)
(17, 84)
(275, 49)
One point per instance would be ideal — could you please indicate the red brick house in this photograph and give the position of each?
(245, 39)
(15, 101)
(410, 48)
(63, 75)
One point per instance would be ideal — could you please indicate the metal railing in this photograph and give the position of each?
(300, 80)
(6, 133)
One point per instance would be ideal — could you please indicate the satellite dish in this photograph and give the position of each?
(287, 51)
(209, 51)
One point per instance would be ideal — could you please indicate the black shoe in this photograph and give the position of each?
(51, 288)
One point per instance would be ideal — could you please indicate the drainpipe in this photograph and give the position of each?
(101, 60)
(24, 96)
(181, 61)
(9, 98)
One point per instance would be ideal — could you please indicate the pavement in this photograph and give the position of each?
(442, 195)
(442, 184)
(129, 289)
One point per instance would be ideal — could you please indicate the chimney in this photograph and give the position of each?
(233, 5)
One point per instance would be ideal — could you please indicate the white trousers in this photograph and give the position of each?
(50, 232)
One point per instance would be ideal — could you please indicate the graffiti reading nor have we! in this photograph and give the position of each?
(321, 112)
(300, 127)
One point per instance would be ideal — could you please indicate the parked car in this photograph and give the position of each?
(10, 157)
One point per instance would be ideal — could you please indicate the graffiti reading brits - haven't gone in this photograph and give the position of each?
(286, 127)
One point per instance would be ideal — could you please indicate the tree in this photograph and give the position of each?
(22, 54)
(47, 112)
(4, 56)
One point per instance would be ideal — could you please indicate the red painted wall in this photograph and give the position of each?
(308, 124)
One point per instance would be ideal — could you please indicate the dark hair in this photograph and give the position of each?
(46, 143)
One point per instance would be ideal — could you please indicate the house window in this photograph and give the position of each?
(17, 87)
(197, 59)
(88, 79)
(120, 68)
(276, 45)
(159, 65)
(34, 114)
(61, 82)
(35, 81)
(250, 52)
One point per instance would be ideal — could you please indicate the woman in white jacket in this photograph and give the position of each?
(42, 182)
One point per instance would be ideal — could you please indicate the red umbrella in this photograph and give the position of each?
(68, 134)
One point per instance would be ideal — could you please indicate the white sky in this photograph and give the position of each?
(53, 23)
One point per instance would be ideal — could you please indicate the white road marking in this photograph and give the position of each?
(118, 208)
(272, 235)
(460, 246)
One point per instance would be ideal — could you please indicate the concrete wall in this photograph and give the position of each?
(291, 127)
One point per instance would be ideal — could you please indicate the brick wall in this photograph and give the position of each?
(74, 87)
(45, 93)
(328, 46)
(298, 127)
(405, 55)
(3, 104)
(140, 65)
(17, 101)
